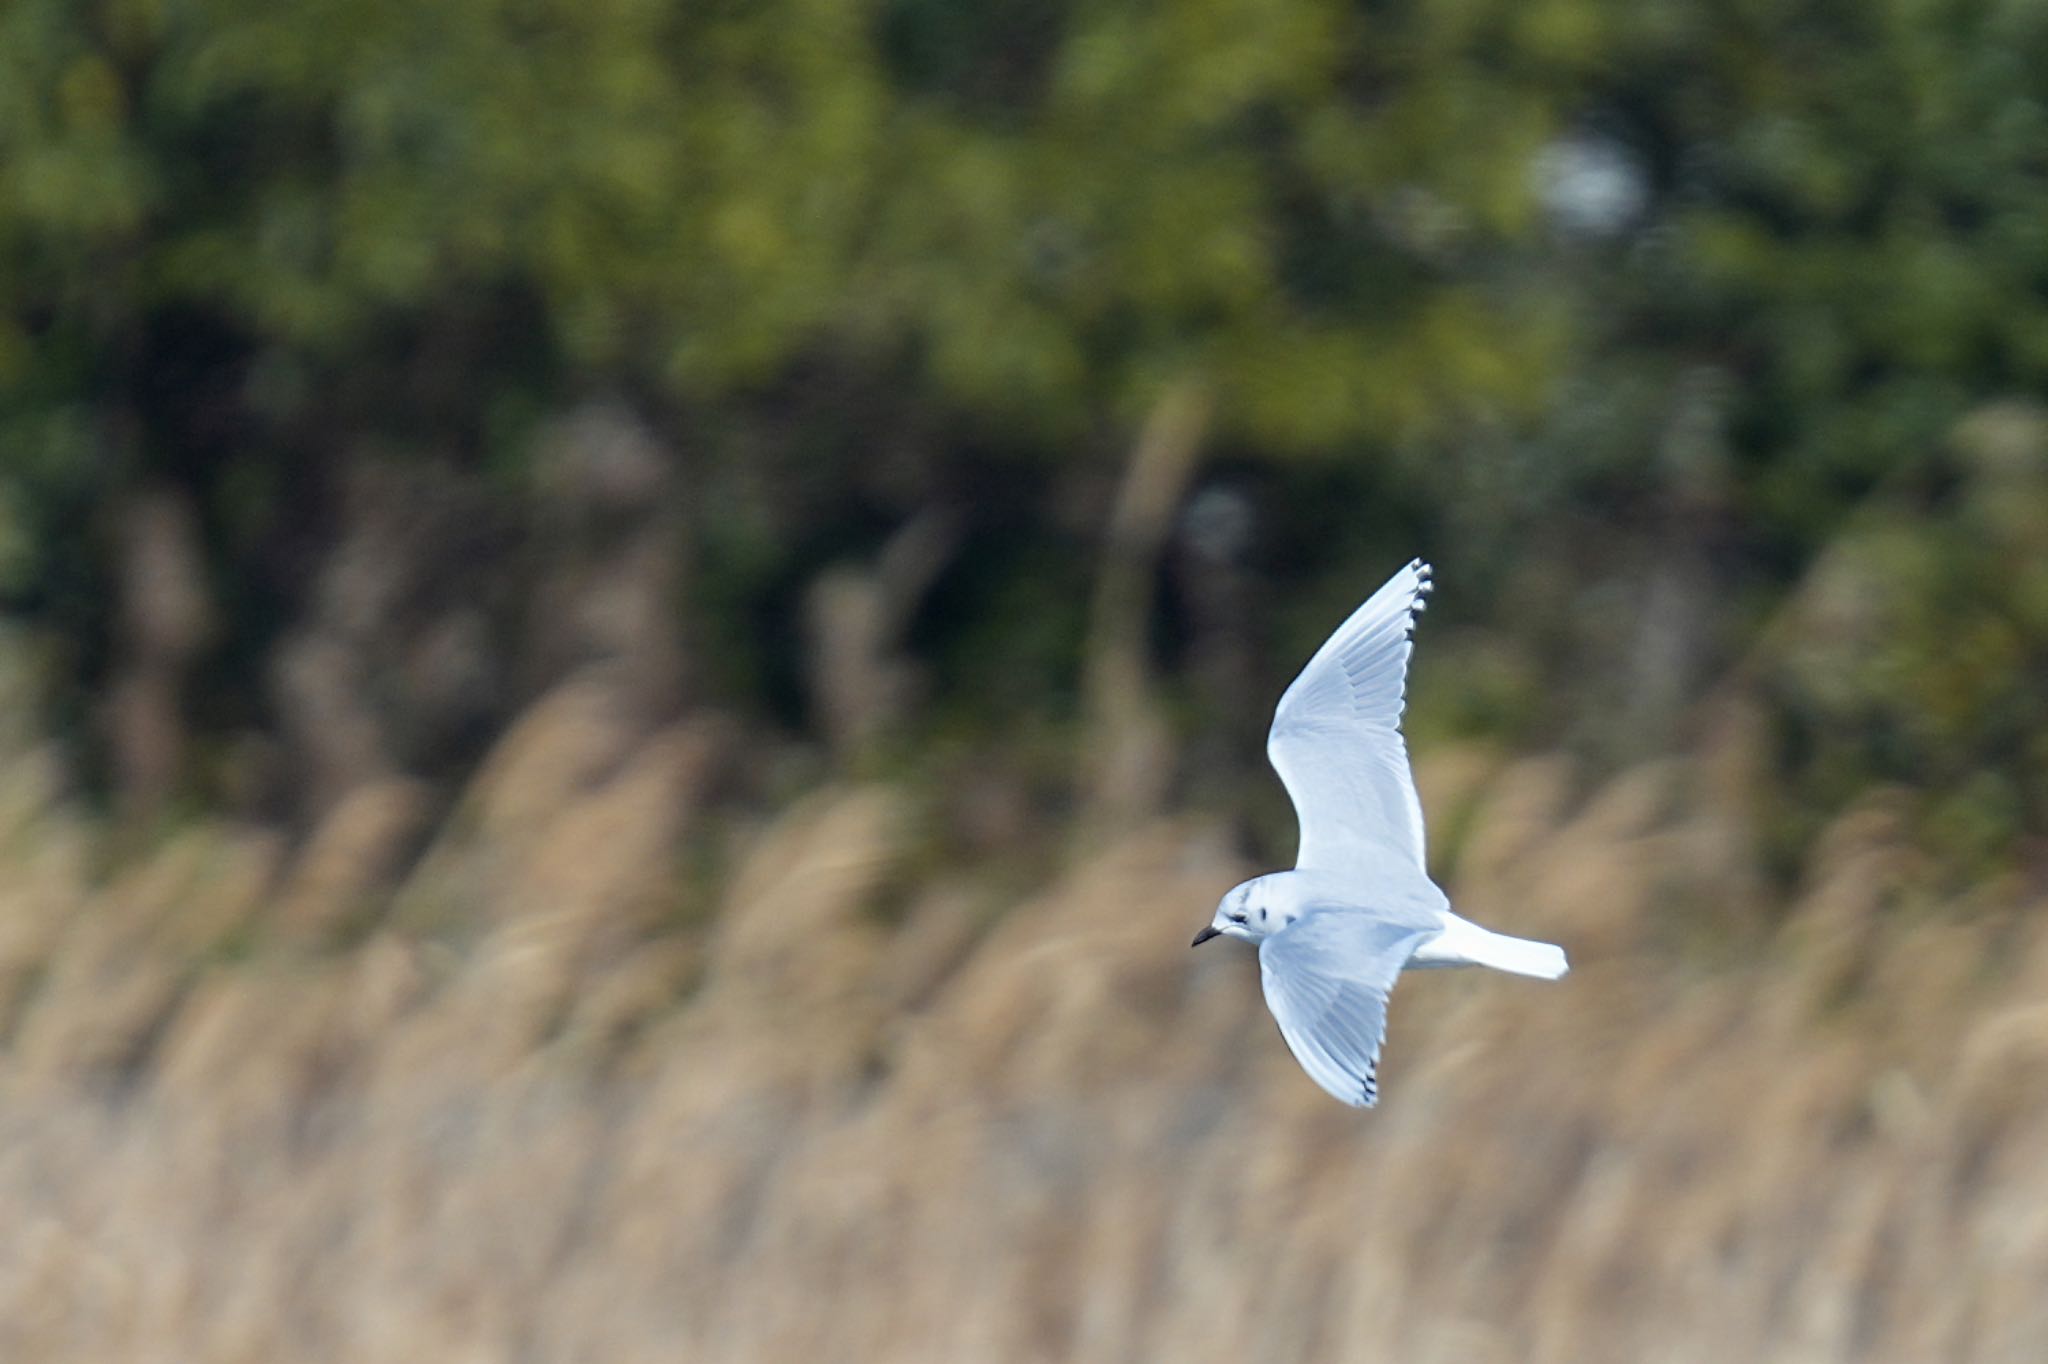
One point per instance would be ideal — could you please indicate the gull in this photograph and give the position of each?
(1359, 905)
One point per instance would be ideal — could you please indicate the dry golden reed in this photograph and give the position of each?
(260, 1107)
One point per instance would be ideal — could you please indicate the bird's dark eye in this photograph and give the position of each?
(1237, 918)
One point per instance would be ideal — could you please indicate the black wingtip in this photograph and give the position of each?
(1425, 584)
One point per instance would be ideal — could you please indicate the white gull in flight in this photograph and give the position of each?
(1359, 905)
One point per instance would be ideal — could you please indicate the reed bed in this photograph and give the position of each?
(540, 1093)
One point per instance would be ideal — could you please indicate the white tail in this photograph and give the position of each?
(1464, 943)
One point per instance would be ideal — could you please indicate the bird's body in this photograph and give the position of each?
(1359, 906)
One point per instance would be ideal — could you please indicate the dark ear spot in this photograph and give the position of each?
(1262, 916)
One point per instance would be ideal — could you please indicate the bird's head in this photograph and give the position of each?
(1250, 911)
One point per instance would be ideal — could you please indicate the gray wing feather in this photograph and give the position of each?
(1327, 977)
(1336, 737)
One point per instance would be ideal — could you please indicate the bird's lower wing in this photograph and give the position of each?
(1327, 978)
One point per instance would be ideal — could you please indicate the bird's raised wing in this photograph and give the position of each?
(1327, 977)
(1336, 737)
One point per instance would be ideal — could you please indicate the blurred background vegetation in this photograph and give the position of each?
(1633, 314)
(990, 405)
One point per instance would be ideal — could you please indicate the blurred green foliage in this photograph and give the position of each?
(1040, 217)
(1915, 650)
(1581, 295)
